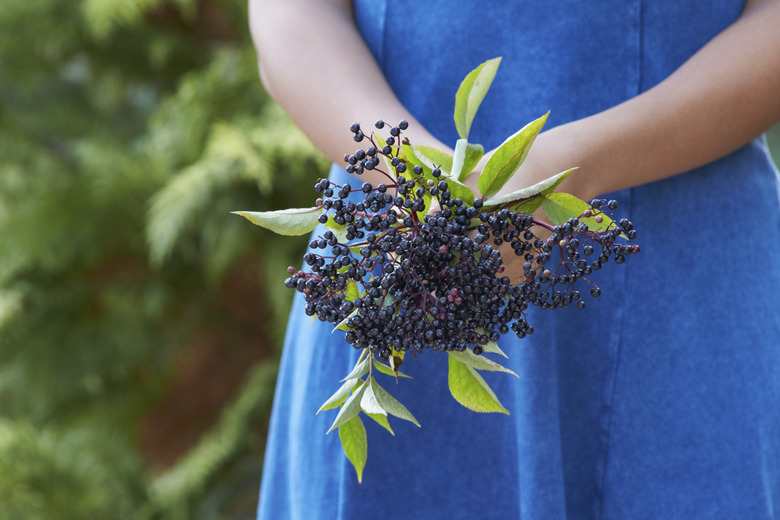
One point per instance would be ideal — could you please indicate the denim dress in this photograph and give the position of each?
(661, 399)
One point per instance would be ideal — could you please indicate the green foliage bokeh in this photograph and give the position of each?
(129, 129)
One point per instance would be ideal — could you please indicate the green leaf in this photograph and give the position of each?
(338, 230)
(386, 302)
(369, 402)
(458, 190)
(415, 159)
(474, 153)
(355, 443)
(390, 404)
(381, 143)
(387, 370)
(541, 187)
(343, 323)
(528, 206)
(295, 221)
(466, 158)
(396, 359)
(560, 207)
(471, 390)
(471, 93)
(353, 291)
(350, 408)
(493, 348)
(339, 396)
(458, 158)
(433, 157)
(361, 367)
(382, 421)
(467, 357)
(508, 157)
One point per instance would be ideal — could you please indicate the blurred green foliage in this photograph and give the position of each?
(128, 131)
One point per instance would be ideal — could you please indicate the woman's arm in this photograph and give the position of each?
(725, 95)
(316, 65)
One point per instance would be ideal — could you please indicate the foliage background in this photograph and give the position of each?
(140, 322)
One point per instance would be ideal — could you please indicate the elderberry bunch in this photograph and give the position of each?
(400, 277)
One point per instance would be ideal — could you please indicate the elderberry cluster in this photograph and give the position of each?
(399, 276)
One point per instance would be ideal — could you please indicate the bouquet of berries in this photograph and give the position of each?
(416, 262)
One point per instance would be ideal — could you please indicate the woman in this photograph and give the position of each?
(660, 400)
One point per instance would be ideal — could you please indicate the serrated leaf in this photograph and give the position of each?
(382, 421)
(350, 408)
(471, 390)
(361, 367)
(291, 222)
(508, 157)
(470, 94)
(355, 443)
(339, 396)
(476, 362)
(560, 207)
(433, 157)
(387, 370)
(493, 348)
(390, 404)
(541, 187)
(369, 402)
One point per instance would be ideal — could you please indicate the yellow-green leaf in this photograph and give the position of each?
(361, 367)
(468, 357)
(355, 443)
(353, 291)
(433, 157)
(390, 404)
(560, 207)
(474, 153)
(508, 157)
(343, 323)
(350, 408)
(381, 143)
(458, 190)
(471, 390)
(493, 348)
(471, 93)
(295, 221)
(382, 421)
(385, 369)
(339, 396)
(542, 187)
(338, 230)
(369, 402)
(466, 158)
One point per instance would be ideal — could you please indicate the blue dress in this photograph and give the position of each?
(660, 400)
